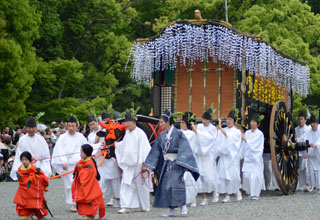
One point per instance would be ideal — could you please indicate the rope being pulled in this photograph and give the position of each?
(64, 174)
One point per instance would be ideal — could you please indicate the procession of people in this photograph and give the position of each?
(114, 165)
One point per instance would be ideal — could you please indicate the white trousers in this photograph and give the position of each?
(110, 187)
(68, 179)
(253, 182)
(268, 171)
(136, 195)
(191, 187)
(314, 176)
(304, 177)
(229, 186)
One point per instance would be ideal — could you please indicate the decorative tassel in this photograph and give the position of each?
(190, 43)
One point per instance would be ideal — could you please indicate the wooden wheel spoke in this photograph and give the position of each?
(284, 158)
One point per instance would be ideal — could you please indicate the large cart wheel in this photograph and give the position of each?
(285, 160)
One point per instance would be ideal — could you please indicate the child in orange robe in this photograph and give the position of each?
(32, 183)
(85, 188)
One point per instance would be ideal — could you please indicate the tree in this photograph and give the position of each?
(83, 45)
(314, 4)
(289, 26)
(63, 56)
(19, 25)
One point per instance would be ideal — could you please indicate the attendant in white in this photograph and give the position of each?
(131, 153)
(314, 153)
(37, 146)
(269, 173)
(109, 173)
(66, 154)
(206, 134)
(229, 142)
(253, 143)
(301, 136)
(188, 119)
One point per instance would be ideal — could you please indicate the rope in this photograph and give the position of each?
(144, 179)
(154, 133)
(115, 165)
(49, 158)
(101, 153)
(64, 174)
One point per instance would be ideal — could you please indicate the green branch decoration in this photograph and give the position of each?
(315, 113)
(191, 119)
(133, 112)
(236, 112)
(213, 110)
(122, 114)
(261, 117)
(38, 116)
(174, 115)
(93, 112)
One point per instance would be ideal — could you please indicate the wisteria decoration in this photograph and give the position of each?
(185, 42)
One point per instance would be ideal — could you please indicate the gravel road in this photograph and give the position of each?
(271, 205)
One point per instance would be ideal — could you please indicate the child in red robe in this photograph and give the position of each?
(85, 188)
(32, 183)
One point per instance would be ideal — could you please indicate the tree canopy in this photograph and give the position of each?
(67, 57)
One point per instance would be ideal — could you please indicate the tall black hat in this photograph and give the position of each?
(105, 115)
(188, 118)
(232, 115)
(302, 113)
(116, 115)
(72, 119)
(130, 117)
(90, 118)
(31, 123)
(313, 118)
(207, 114)
(255, 117)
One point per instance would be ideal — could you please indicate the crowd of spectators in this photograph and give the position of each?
(9, 141)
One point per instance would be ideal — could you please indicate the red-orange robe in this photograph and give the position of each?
(86, 190)
(30, 195)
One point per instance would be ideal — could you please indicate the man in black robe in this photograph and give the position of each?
(170, 157)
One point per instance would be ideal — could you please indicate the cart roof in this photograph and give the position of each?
(200, 39)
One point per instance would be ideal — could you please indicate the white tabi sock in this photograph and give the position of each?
(184, 210)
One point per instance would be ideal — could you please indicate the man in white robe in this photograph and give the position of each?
(253, 144)
(131, 153)
(301, 136)
(206, 134)
(187, 121)
(229, 142)
(314, 153)
(66, 154)
(109, 171)
(37, 146)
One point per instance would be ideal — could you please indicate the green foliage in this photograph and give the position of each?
(315, 112)
(136, 93)
(261, 117)
(68, 56)
(83, 46)
(213, 110)
(290, 26)
(38, 116)
(63, 108)
(298, 105)
(315, 5)
(18, 29)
